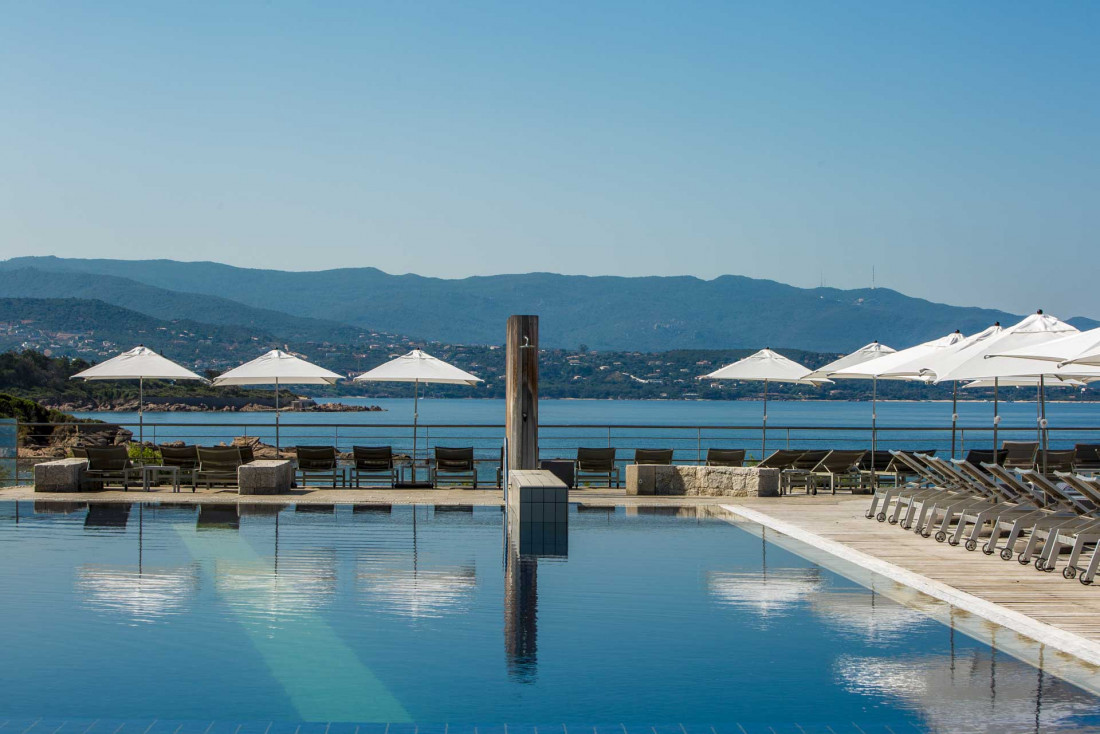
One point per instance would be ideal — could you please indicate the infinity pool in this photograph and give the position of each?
(290, 614)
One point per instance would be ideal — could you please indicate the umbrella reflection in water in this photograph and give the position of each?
(140, 596)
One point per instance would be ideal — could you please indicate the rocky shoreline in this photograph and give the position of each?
(199, 406)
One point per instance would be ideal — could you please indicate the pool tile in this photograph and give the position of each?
(222, 727)
(371, 728)
(343, 727)
(44, 726)
(402, 728)
(279, 727)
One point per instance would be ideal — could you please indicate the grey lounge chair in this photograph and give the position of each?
(1086, 457)
(374, 461)
(186, 458)
(110, 464)
(1052, 462)
(596, 462)
(217, 465)
(317, 461)
(841, 470)
(725, 457)
(977, 457)
(800, 471)
(1019, 454)
(653, 456)
(454, 463)
(782, 459)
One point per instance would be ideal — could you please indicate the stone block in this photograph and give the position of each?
(62, 475)
(265, 476)
(701, 481)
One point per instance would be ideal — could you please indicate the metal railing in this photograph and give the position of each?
(556, 440)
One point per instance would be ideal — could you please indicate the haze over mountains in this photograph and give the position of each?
(607, 313)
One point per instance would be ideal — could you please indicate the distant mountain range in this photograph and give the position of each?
(607, 313)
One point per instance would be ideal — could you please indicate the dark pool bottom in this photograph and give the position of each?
(160, 618)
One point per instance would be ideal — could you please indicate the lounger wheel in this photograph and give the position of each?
(1023, 560)
(1006, 554)
(971, 545)
(1085, 580)
(1040, 564)
(881, 517)
(868, 515)
(987, 550)
(1069, 572)
(906, 525)
(952, 541)
(940, 536)
(928, 534)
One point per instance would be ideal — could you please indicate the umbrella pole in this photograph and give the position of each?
(141, 414)
(1043, 436)
(874, 428)
(416, 421)
(954, 413)
(276, 417)
(764, 425)
(996, 417)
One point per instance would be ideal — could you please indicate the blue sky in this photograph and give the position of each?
(952, 146)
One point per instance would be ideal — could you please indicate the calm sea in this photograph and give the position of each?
(688, 426)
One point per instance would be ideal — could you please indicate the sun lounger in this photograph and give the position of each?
(1083, 528)
(782, 459)
(840, 469)
(374, 461)
(902, 464)
(596, 462)
(968, 497)
(800, 471)
(1014, 507)
(938, 487)
(1090, 488)
(725, 457)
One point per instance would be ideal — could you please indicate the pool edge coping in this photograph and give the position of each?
(1046, 634)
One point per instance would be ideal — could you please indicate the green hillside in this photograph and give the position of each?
(648, 314)
(208, 307)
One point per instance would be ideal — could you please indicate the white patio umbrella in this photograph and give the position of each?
(766, 366)
(140, 363)
(278, 368)
(416, 367)
(908, 364)
(863, 355)
(1082, 348)
(981, 360)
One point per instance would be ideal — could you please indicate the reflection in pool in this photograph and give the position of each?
(422, 614)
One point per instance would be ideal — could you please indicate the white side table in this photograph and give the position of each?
(151, 472)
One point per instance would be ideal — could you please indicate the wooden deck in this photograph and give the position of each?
(1044, 607)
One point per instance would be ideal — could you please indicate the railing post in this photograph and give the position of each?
(698, 445)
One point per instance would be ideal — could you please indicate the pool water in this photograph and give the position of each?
(398, 614)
